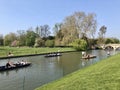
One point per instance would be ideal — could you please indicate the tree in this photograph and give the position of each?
(15, 43)
(58, 34)
(1, 40)
(69, 30)
(111, 40)
(101, 34)
(79, 25)
(21, 37)
(102, 31)
(38, 31)
(49, 43)
(79, 44)
(89, 25)
(44, 31)
(30, 37)
(39, 42)
(116, 40)
(57, 28)
(9, 38)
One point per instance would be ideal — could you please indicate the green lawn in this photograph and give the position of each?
(26, 50)
(104, 75)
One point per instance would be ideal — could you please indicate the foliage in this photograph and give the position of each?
(21, 35)
(50, 37)
(58, 38)
(15, 43)
(74, 27)
(92, 43)
(79, 44)
(111, 40)
(1, 40)
(39, 42)
(30, 38)
(79, 25)
(104, 75)
(9, 38)
(49, 43)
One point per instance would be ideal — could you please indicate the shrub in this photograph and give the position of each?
(79, 44)
(49, 43)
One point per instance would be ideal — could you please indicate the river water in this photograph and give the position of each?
(44, 70)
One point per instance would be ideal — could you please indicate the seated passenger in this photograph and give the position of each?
(9, 64)
(10, 54)
(22, 62)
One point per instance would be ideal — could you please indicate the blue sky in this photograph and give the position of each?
(23, 14)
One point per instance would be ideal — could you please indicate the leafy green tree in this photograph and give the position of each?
(49, 43)
(111, 40)
(108, 41)
(51, 37)
(39, 42)
(79, 44)
(9, 38)
(116, 40)
(30, 37)
(1, 40)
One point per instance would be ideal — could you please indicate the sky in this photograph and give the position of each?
(23, 14)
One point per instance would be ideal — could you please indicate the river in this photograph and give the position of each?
(44, 70)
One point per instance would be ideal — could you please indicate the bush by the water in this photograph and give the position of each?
(79, 44)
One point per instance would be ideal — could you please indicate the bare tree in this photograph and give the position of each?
(57, 28)
(58, 34)
(78, 25)
(44, 31)
(101, 33)
(21, 37)
(69, 30)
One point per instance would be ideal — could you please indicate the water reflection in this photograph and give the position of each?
(44, 70)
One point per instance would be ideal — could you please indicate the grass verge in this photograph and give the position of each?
(26, 50)
(104, 75)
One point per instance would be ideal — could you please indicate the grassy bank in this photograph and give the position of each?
(104, 75)
(26, 50)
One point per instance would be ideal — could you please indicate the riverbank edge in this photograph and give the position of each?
(103, 75)
(8, 57)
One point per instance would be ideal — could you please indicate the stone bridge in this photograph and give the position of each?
(113, 46)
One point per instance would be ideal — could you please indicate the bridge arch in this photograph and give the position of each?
(111, 46)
